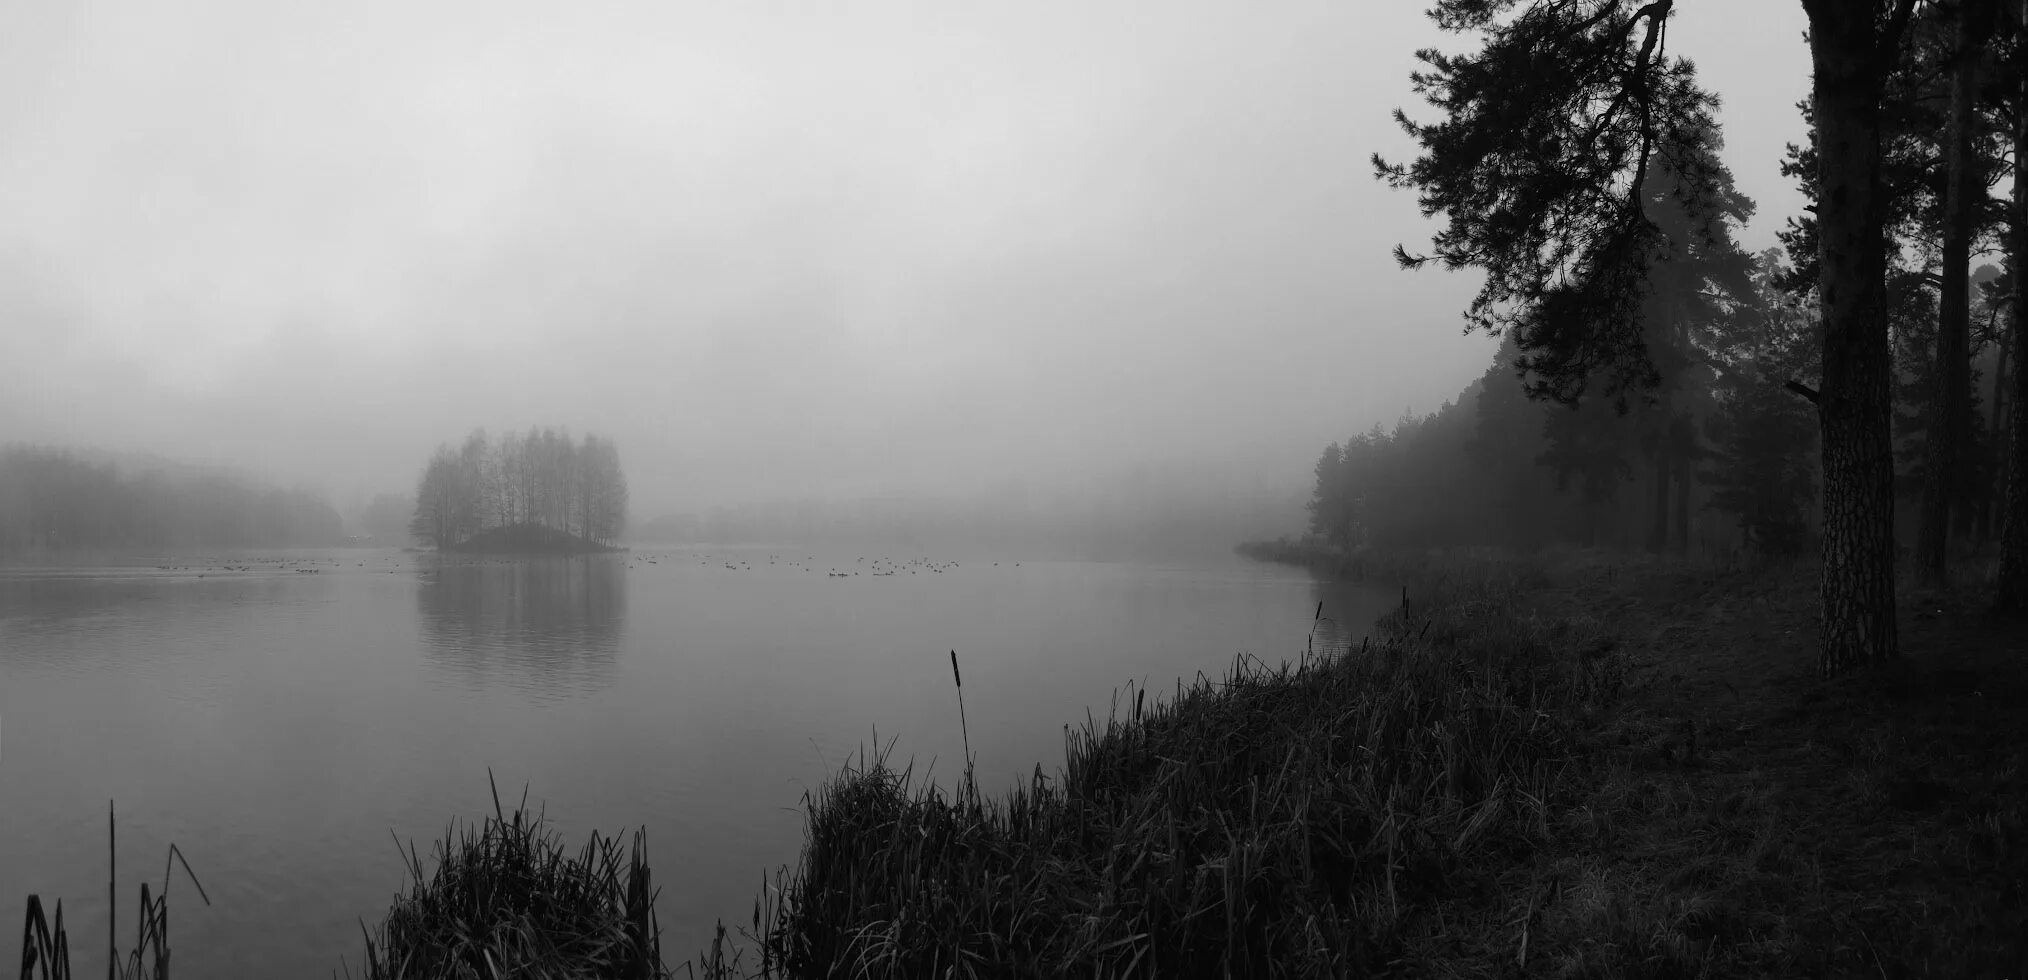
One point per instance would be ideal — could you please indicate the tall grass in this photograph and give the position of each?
(505, 899)
(45, 944)
(1284, 820)
(509, 899)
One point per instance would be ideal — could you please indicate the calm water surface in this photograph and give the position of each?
(282, 717)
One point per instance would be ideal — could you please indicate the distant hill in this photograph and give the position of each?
(59, 498)
(528, 539)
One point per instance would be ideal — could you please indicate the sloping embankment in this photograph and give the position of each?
(1308, 820)
(1614, 769)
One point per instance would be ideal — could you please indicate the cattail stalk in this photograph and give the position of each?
(963, 729)
(112, 892)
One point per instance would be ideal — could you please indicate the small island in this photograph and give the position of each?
(535, 494)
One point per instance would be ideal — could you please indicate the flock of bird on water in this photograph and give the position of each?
(879, 567)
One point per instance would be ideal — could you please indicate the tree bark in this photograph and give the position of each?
(1851, 59)
(2012, 593)
(1992, 514)
(1950, 403)
(1991, 495)
(1658, 526)
(1685, 478)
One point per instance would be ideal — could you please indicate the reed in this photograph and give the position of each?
(1283, 820)
(971, 787)
(45, 944)
(508, 898)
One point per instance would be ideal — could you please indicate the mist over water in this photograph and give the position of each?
(877, 331)
(1002, 256)
(282, 717)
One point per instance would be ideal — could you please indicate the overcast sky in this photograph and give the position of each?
(773, 249)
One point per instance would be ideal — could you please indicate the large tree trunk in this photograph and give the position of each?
(1992, 513)
(1685, 478)
(1950, 404)
(2012, 594)
(1854, 405)
(1994, 494)
(1658, 526)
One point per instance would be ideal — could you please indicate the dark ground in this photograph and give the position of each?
(1875, 825)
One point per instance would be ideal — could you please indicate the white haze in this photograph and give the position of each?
(779, 251)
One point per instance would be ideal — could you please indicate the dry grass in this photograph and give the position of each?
(508, 899)
(1320, 819)
(1575, 766)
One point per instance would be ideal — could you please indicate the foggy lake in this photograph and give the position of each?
(283, 717)
(637, 415)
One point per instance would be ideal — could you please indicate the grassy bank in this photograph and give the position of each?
(1310, 820)
(1599, 769)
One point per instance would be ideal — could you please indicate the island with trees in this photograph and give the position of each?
(535, 493)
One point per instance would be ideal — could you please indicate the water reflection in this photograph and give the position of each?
(1346, 613)
(82, 604)
(549, 626)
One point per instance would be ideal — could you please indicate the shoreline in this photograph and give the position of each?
(1576, 764)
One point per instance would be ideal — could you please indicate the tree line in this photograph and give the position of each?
(1726, 464)
(1576, 164)
(540, 479)
(1716, 453)
(52, 498)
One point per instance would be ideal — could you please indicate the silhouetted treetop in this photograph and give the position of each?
(1540, 164)
(534, 491)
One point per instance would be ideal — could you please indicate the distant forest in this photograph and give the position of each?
(1721, 455)
(524, 487)
(53, 498)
